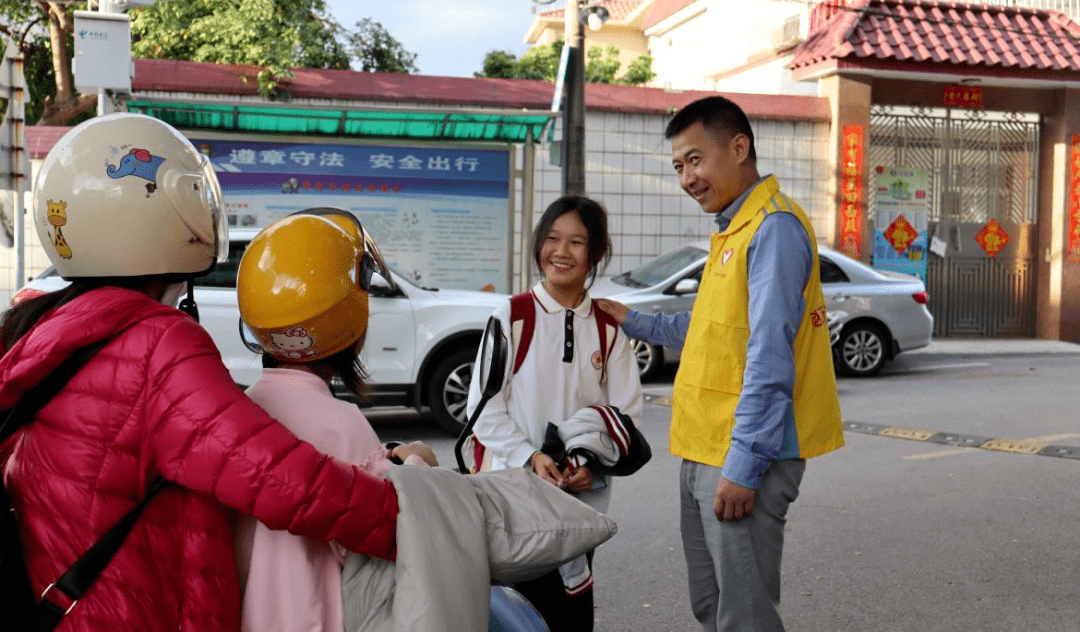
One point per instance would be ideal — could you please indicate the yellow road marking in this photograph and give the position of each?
(1021, 447)
(900, 432)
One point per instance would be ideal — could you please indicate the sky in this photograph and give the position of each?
(450, 37)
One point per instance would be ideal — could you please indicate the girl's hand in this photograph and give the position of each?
(418, 449)
(578, 480)
(544, 467)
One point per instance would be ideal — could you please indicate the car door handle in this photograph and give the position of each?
(840, 298)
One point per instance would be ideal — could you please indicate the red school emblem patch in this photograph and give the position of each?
(597, 360)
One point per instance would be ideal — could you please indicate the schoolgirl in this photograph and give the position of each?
(566, 368)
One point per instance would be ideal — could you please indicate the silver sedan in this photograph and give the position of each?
(873, 314)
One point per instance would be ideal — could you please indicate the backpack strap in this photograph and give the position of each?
(523, 311)
(77, 579)
(604, 322)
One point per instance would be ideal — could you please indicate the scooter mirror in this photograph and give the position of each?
(492, 358)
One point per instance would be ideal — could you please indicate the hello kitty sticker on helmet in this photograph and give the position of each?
(295, 343)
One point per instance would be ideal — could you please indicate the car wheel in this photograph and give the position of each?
(861, 350)
(448, 390)
(649, 358)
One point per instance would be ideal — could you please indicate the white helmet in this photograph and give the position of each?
(127, 195)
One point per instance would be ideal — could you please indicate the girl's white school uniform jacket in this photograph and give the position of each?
(560, 374)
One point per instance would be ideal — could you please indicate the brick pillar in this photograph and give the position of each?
(849, 99)
(1058, 292)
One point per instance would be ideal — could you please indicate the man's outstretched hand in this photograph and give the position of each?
(617, 310)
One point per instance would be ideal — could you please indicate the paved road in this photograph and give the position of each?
(899, 531)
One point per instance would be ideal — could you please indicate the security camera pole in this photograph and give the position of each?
(573, 144)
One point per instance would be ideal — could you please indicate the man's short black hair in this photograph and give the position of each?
(720, 116)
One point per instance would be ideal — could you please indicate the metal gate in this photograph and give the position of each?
(983, 166)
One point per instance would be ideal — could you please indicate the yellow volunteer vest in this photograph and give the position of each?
(710, 374)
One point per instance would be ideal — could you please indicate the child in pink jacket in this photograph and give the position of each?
(302, 293)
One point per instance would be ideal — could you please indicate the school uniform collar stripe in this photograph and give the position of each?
(551, 306)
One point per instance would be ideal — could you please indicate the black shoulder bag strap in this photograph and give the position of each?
(78, 579)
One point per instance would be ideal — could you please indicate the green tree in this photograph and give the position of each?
(601, 69)
(275, 35)
(376, 51)
(542, 62)
(43, 32)
(639, 72)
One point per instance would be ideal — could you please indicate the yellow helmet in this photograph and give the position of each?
(303, 284)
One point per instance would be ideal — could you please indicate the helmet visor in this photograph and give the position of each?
(215, 204)
(371, 262)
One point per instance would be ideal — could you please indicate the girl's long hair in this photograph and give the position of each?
(19, 319)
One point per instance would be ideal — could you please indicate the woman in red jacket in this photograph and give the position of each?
(130, 212)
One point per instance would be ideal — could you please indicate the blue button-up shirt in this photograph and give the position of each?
(780, 257)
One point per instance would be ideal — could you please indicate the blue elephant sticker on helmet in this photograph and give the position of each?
(140, 163)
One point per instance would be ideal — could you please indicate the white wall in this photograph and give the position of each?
(35, 260)
(713, 36)
(772, 77)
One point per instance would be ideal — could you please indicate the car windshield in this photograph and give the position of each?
(661, 268)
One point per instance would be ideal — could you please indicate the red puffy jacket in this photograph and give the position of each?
(157, 400)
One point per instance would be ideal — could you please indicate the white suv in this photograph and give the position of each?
(420, 346)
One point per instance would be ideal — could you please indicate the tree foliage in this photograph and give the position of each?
(376, 51)
(542, 62)
(275, 35)
(43, 32)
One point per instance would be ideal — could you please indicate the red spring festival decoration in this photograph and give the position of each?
(992, 238)
(851, 190)
(1073, 238)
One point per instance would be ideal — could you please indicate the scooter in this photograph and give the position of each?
(510, 611)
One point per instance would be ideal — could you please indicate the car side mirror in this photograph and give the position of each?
(686, 286)
(492, 369)
(381, 286)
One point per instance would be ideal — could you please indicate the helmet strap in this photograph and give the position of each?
(187, 304)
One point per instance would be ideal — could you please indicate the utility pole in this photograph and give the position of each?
(573, 143)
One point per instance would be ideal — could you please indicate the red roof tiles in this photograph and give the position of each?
(156, 75)
(662, 9)
(619, 9)
(41, 138)
(955, 34)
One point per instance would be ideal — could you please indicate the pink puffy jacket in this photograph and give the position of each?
(157, 400)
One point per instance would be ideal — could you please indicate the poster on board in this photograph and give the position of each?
(902, 207)
(440, 214)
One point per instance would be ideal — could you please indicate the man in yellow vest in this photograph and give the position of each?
(755, 394)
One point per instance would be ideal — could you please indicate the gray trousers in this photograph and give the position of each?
(734, 566)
